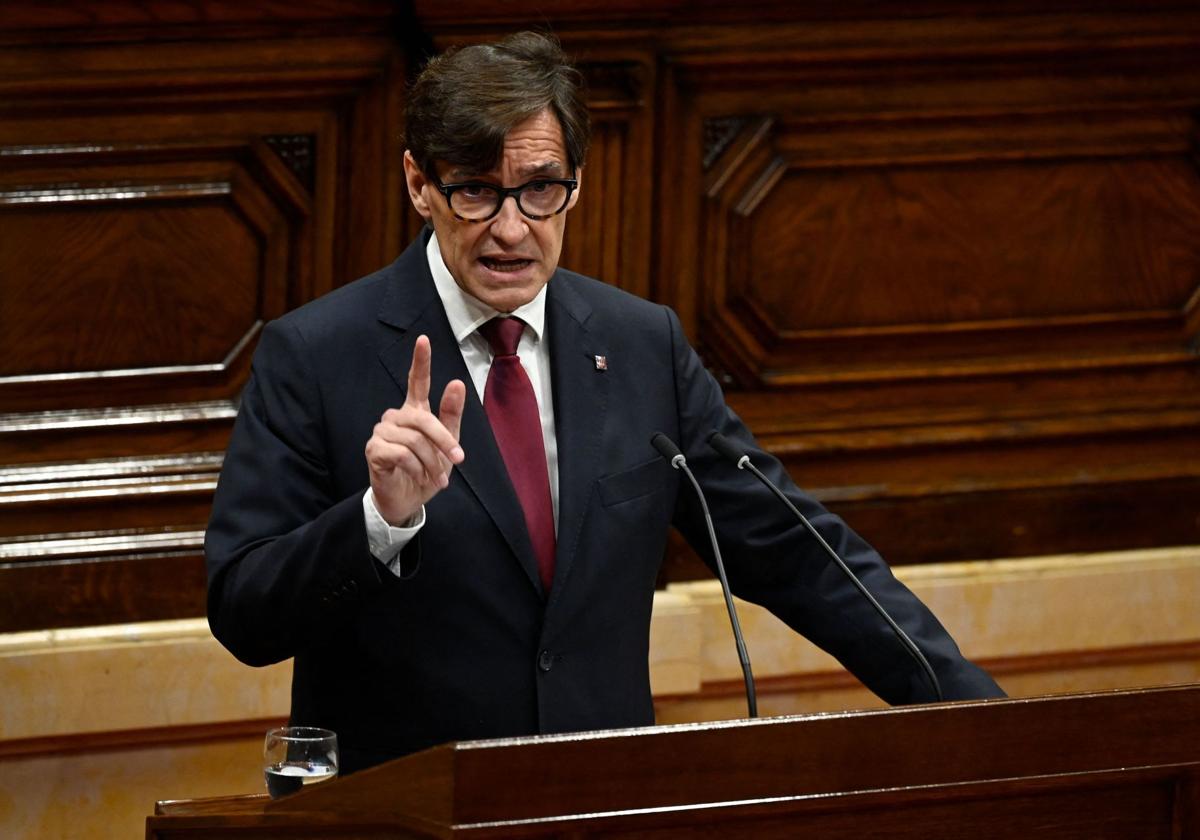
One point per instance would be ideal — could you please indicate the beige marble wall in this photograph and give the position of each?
(1042, 625)
(108, 792)
(132, 676)
(1001, 608)
(97, 724)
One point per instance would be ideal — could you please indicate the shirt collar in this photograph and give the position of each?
(466, 312)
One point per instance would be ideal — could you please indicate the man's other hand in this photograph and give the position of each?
(411, 451)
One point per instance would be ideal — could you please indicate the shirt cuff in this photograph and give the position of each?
(387, 541)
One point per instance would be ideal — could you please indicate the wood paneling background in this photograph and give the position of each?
(171, 177)
(945, 256)
(949, 263)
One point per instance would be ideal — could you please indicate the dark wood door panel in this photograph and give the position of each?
(170, 179)
(125, 267)
(948, 269)
(90, 306)
(904, 271)
(915, 255)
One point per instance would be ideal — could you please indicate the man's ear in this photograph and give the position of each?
(418, 184)
(578, 187)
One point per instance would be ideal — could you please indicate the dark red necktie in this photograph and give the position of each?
(512, 410)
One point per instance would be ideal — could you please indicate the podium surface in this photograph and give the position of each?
(1120, 764)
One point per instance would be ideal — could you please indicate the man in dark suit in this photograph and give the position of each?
(488, 568)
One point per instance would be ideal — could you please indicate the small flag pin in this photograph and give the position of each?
(601, 362)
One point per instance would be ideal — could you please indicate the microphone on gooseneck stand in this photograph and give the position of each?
(667, 448)
(741, 460)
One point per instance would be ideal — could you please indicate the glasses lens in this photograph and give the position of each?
(474, 201)
(541, 198)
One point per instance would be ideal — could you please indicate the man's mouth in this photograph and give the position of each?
(504, 265)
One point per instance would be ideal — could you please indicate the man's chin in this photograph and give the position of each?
(504, 294)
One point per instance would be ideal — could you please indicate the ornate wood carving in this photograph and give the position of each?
(944, 260)
(169, 181)
(213, 228)
(719, 132)
(927, 269)
(606, 231)
(954, 275)
(297, 151)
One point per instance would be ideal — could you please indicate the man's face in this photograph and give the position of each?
(506, 260)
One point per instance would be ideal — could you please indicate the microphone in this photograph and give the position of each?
(724, 446)
(667, 448)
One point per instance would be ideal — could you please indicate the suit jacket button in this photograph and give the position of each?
(546, 660)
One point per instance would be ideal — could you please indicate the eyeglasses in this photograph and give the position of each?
(473, 201)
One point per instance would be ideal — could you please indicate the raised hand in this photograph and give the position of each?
(411, 450)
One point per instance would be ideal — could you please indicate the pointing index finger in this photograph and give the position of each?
(419, 374)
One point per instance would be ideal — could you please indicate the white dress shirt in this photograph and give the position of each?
(466, 314)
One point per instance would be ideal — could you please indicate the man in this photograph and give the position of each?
(487, 569)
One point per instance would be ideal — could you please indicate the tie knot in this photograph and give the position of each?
(503, 334)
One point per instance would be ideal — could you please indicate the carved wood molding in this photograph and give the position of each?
(888, 116)
(298, 152)
(148, 587)
(178, 199)
(171, 177)
(86, 20)
(895, 94)
(719, 133)
(617, 84)
(773, 212)
(38, 508)
(606, 232)
(95, 544)
(950, 267)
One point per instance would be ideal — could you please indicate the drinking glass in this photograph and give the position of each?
(295, 756)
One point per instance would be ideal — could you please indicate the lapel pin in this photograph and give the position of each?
(601, 362)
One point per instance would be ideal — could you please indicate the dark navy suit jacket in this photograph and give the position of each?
(466, 644)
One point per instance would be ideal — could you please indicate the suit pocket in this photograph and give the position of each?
(633, 483)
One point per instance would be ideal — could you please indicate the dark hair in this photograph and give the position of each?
(467, 100)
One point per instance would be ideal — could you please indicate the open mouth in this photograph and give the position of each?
(503, 265)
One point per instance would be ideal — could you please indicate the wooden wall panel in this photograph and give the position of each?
(943, 255)
(136, 269)
(171, 178)
(606, 233)
(948, 268)
(954, 268)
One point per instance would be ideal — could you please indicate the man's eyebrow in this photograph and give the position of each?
(552, 168)
(458, 174)
(549, 169)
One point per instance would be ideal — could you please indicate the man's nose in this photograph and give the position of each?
(509, 225)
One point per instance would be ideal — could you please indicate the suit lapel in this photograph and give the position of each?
(411, 307)
(580, 404)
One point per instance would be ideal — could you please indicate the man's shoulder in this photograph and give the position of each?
(608, 300)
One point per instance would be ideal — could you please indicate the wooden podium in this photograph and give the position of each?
(1122, 764)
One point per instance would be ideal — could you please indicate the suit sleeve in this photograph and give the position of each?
(772, 561)
(286, 558)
